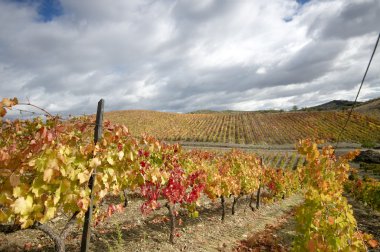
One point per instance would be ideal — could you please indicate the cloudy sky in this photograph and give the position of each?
(64, 55)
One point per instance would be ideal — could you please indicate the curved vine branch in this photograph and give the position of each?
(37, 107)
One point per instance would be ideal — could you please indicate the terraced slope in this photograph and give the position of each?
(248, 127)
(370, 108)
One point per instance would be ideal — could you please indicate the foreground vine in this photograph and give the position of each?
(326, 221)
(45, 167)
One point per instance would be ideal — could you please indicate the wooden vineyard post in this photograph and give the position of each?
(170, 208)
(223, 202)
(87, 218)
(258, 191)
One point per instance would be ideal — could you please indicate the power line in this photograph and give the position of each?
(357, 95)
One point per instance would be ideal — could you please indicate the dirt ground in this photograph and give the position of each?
(131, 231)
(279, 236)
(368, 220)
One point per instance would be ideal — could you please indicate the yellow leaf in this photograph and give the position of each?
(3, 216)
(120, 155)
(26, 224)
(111, 172)
(57, 195)
(110, 160)
(52, 164)
(154, 178)
(95, 162)
(194, 214)
(102, 193)
(83, 177)
(48, 173)
(23, 206)
(17, 192)
(49, 213)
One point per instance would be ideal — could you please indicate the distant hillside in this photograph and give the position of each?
(208, 111)
(248, 127)
(370, 108)
(334, 105)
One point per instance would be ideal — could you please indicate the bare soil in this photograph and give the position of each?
(368, 220)
(279, 236)
(131, 231)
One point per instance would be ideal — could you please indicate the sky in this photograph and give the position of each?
(181, 56)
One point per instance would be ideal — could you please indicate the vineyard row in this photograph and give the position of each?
(46, 167)
(249, 127)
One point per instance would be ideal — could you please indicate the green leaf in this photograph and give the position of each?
(140, 179)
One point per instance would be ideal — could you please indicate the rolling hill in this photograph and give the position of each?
(370, 108)
(334, 105)
(249, 127)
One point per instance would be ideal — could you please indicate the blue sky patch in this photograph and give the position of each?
(46, 9)
(302, 1)
(288, 19)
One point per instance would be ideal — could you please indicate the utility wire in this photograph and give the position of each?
(357, 95)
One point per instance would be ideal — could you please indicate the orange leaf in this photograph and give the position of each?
(312, 246)
(373, 243)
(6, 102)
(2, 111)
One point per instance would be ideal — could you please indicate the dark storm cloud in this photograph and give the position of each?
(352, 19)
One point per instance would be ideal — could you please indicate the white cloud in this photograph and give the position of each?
(261, 70)
(183, 56)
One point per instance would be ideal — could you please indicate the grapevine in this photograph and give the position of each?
(45, 167)
(326, 221)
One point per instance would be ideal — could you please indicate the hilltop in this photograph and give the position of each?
(334, 105)
(369, 108)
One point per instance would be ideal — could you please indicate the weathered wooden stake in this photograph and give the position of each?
(258, 198)
(234, 204)
(170, 208)
(223, 202)
(125, 198)
(259, 190)
(251, 202)
(87, 218)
